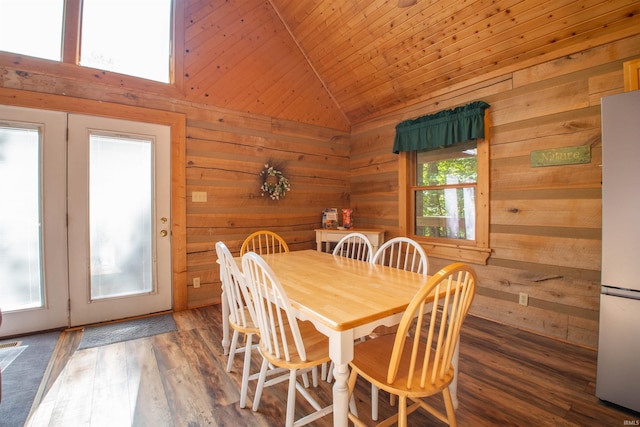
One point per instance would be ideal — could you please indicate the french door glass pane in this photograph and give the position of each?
(32, 27)
(121, 216)
(20, 220)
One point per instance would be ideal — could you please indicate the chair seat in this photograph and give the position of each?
(316, 345)
(371, 361)
(250, 327)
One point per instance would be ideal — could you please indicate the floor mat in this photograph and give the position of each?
(22, 377)
(111, 333)
(8, 355)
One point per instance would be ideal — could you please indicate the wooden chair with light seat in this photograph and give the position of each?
(264, 242)
(285, 342)
(417, 362)
(241, 314)
(354, 245)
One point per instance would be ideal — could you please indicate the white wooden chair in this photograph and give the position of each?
(403, 253)
(264, 242)
(417, 362)
(406, 254)
(241, 314)
(354, 245)
(284, 341)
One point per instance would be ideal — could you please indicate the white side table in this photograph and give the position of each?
(329, 235)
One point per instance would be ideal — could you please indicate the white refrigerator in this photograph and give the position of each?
(618, 374)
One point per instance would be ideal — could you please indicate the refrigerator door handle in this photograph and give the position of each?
(619, 292)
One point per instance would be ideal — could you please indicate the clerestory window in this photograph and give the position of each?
(32, 28)
(131, 37)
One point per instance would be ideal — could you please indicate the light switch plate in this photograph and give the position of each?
(523, 299)
(199, 196)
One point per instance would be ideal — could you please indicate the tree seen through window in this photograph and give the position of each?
(445, 192)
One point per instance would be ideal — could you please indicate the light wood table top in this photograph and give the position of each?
(341, 292)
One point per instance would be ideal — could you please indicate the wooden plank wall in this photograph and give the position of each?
(224, 160)
(545, 228)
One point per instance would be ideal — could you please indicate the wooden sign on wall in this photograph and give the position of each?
(631, 75)
(561, 156)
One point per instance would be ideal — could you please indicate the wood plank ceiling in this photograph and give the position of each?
(340, 63)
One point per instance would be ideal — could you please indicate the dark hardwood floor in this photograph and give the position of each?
(507, 378)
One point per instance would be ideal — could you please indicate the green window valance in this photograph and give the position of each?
(441, 129)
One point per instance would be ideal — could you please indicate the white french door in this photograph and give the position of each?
(33, 232)
(119, 218)
(84, 221)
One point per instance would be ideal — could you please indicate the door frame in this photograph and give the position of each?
(177, 122)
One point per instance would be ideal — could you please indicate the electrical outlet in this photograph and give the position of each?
(196, 282)
(524, 299)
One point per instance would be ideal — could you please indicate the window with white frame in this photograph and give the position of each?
(444, 192)
(32, 27)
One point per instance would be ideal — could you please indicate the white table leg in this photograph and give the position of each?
(226, 343)
(341, 352)
(340, 395)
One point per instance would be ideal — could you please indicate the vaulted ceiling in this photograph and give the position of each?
(337, 63)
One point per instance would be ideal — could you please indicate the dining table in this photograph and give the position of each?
(345, 299)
